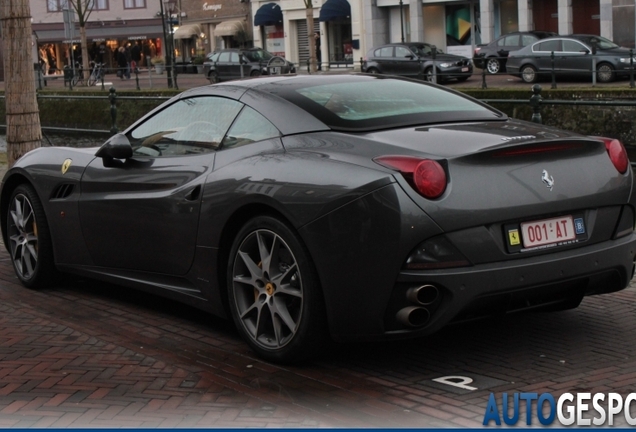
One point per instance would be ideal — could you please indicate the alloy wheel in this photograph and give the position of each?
(267, 288)
(493, 66)
(23, 236)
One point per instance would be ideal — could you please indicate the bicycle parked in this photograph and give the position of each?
(97, 73)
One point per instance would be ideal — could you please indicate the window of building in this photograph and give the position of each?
(134, 4)
(56, 5)
(98, 4)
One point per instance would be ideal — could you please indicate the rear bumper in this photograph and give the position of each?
(508, 286)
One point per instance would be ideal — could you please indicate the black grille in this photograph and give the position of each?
(63, 191)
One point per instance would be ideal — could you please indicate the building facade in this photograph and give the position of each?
(346, 29)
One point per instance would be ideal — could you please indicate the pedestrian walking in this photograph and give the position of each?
(122, 64)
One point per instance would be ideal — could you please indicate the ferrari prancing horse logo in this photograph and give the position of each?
(66, 165)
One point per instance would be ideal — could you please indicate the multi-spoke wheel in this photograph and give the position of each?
(605, 73)
(274, 295)
(493, 66)
(529, 74)
(29, 240)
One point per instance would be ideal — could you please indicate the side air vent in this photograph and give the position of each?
(63, 191)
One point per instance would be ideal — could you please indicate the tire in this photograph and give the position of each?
(75, 80)
(273, 292)
(30, 245)
(92, 79)
(493, 66)
(255, 73)
(428, 74)
(528, 74)
(605, 73)
(213, 77)
(373, 71)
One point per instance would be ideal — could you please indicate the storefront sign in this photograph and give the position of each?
(207, 7)
(137, 38)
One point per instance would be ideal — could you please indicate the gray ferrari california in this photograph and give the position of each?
(350, 207)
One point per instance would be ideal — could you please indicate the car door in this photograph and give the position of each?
(143, 213)
(507, 44)
(542, 52)
(235, 65)
(223, 66)
(575, 59)
(385, 60)
(406, 63)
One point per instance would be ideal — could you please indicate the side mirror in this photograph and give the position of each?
(117, 147)
(410, 56)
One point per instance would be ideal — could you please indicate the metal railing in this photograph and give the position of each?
(536, 102)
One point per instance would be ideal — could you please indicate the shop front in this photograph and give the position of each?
(103, 39)
(336, 14)
(269, 20)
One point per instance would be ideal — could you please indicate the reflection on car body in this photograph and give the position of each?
(345, 207)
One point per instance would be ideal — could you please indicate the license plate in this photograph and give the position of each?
(464, 69)
(547, 231)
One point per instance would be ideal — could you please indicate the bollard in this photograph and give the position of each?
(361, 63)
(309, 66)
(434, 56)
(535, 103)
(174, 77)
(102, 73)
(553, 76)
(631, 68)
(483, 78)
(113, 110)
(137, 77)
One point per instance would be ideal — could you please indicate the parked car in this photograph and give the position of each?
(226, 64)
(574, 56)
(493, 56)
(359, 207)
(417, 60)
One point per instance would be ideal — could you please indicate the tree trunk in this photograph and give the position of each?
(311, 40)
(21, 105)
(84, 47)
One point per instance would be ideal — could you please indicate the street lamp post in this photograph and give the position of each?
(165, 41)
(402, 20)
(170, 9)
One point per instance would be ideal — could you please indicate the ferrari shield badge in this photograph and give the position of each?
(66, 165)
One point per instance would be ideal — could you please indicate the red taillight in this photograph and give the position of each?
(617, 154)
(425, 175)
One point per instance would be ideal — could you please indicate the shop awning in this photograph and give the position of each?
(334, 10)
(188, 31)
(268, 14)
(229, 28)
(115, 32)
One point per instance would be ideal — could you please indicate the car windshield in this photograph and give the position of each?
(257, 55)
(373, 104)
(602, 43)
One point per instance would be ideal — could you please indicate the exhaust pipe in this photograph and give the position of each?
(424, 295)
(413, 316)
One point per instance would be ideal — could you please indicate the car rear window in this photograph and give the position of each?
(387, 102)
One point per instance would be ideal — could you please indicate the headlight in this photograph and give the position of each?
(445, 65)
(626, 60)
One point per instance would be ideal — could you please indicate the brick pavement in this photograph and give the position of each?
(89, 354)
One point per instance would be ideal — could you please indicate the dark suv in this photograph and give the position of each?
(417, 60)
(493, 56)
(226, 64)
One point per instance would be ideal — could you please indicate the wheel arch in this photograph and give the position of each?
(10, 184)
(234, 223)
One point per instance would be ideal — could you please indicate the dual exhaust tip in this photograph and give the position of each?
(418, 316)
